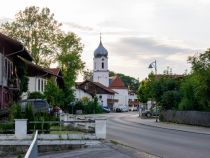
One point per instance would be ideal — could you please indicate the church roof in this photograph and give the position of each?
(100, 51)
(117, 83)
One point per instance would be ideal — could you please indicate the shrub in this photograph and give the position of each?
(35, 95)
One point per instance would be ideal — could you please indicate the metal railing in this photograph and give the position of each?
(33, 149)
(59, 127)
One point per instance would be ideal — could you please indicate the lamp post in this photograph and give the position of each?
(154, 65)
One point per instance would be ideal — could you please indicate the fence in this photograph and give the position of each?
(71, 129)
(187, 117)
(33, 149)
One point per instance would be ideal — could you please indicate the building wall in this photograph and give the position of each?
(79, 94)
(122, 96)
(100, 71)
(102, 99)
(36, 84)
(101, 77)
(6, 67)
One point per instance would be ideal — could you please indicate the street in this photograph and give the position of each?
(161, 142)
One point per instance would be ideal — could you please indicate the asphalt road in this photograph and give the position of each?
(161, 142)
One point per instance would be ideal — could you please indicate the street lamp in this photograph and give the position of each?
(154, 65)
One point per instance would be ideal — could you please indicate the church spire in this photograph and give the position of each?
(100, 37)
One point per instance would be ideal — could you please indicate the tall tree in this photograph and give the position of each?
(37, 29)
(69, 59)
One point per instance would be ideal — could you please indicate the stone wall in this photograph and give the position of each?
(11, 150)
(186, 117)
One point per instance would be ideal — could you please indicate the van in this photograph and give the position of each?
(38, 105)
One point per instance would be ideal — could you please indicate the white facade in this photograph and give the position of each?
(35, 84)
(122, 97)
(79, 94)
(100, 70)
(102, 99)
(132, 97)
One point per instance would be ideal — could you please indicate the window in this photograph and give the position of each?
(102, 65)
(38, 84)
(42, 86)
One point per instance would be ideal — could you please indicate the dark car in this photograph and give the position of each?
(152, 112)
(106, 109)
(38, 105)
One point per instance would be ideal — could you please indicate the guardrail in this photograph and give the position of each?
(33, 149)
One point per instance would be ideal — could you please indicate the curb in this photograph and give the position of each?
(181, 130)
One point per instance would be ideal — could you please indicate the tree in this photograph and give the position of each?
(37, 29)
(196, 88)
(53, 94)
(69, 59)
(88, 75)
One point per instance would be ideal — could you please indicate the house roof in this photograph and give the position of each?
(94, 88)
(117, 83)
(13, 47)
(36, 70)
(104, 87)
(55, 71)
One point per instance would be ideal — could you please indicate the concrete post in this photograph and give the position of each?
(100, 128)
(21, 128)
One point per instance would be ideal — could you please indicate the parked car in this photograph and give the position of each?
(121, 108)
(151, 112)
(106, 109)
(38, 105)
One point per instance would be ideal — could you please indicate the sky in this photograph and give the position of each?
(135, 32)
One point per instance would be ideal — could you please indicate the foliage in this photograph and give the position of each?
(35, 95)
(15, 112)
(22, 75)
(88, 75)
(165, 90)
(69, 60)
(53, 94)
(88, 107)
(196, 88)
(190, 93)
(170, 99)
(130, 82)
(37, 29)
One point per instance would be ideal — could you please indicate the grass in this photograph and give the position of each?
(63, 130)
(114, 142)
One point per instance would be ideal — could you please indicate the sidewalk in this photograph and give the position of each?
(105, 150)
(179, 127)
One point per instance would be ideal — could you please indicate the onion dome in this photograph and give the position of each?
(100, 51)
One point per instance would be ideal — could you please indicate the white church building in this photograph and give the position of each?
(110, 91)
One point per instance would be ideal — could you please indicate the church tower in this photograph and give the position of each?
(100, 65)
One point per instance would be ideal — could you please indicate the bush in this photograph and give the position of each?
(88, 107)
(35, 95)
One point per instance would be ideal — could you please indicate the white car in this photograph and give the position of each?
(121, 108)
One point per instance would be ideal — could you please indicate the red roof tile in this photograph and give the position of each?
(117, 83)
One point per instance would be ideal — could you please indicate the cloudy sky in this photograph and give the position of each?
(135, 32)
